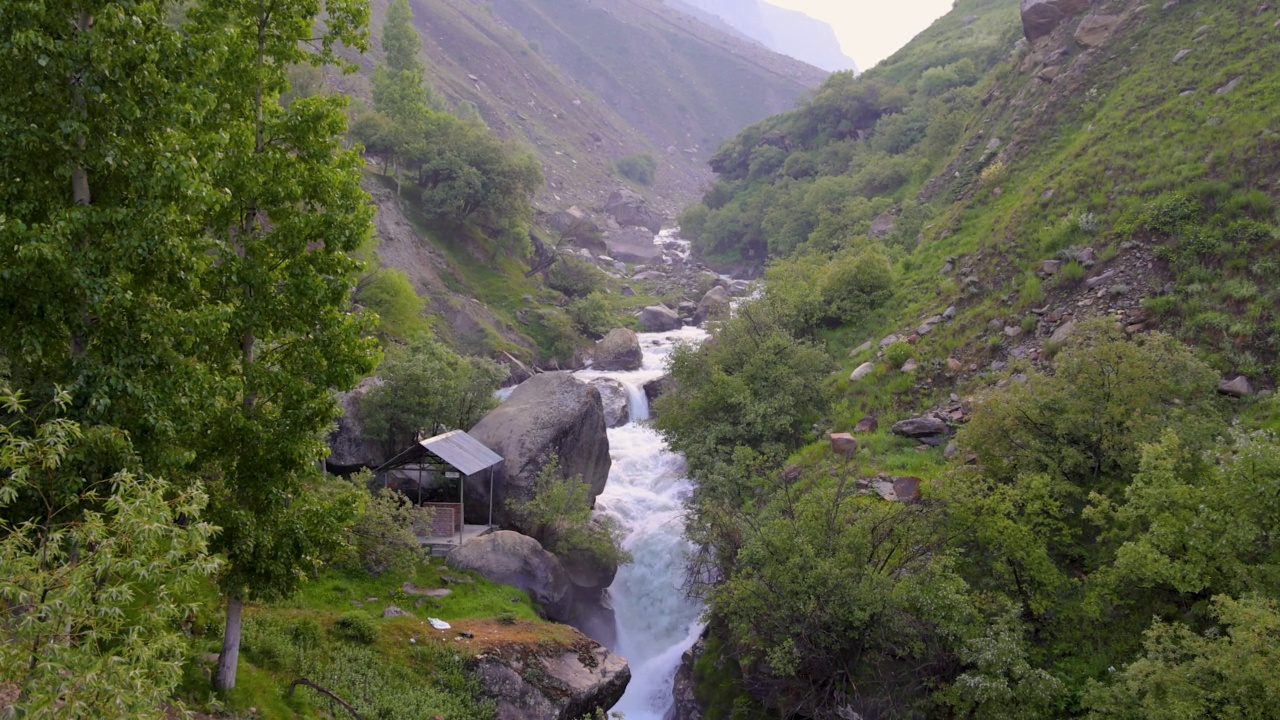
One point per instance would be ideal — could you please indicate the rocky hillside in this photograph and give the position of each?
(584, 85)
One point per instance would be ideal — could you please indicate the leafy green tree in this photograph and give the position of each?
(92, 606)
(426, 388)
(399, 40)
(293, 212)
(1226, 672)
(383, 538)
(593, 315)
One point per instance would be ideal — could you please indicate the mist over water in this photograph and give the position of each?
(647, 483)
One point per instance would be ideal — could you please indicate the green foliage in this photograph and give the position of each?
(1070, 274)
(937, 80)
(574, 276)
(855, 284)
(1228, 671)
(557, 514)
(389, 293)
(356, 626)
(1032, 292)
(427, 679)
(693, 220)
(593, 314)
(426, 388)
(93, 605)
(639, 168)
(384, 536)
(897, 354)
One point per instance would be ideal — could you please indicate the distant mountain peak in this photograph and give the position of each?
(789, 32)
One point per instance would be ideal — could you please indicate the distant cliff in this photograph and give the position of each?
(788, 32)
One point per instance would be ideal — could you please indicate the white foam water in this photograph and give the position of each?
(647, 484)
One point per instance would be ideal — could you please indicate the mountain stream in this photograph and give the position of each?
(655, 622)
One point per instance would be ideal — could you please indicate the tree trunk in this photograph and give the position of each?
(226, 678)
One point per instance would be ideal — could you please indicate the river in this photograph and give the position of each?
(647, 484)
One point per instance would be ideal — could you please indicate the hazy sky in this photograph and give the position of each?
(871, 30)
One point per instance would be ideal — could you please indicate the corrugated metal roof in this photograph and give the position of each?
(462, 451)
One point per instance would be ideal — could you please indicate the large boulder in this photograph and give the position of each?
(509, 558)
(548, 414)
(633, 245)
(349, 449)
(619, 350)
(613, 397)
(1095, 29)
(658, 387)
(713, 305)
(564, 683)
(658, 318)
(1041, 17)
(920, 426)
(629, 208)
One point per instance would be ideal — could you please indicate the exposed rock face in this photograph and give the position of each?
(1041, 17)
(619, 350)
(1095, 29)
(629, 208)
(550, 413)
(633, 245)
(657, 318)
(567, 685)
(348, 447)
(656, 388)
(613, 397)
(685, 705)
(881, 226)
(715, 302)
(510, 558)
(588, 572)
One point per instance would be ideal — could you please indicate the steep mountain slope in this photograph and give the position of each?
(789, 32)
(585, 84)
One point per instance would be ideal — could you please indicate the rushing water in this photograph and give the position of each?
(656, 623)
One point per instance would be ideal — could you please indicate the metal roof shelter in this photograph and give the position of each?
(449, 456)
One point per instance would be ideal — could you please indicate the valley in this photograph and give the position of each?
(943, 389)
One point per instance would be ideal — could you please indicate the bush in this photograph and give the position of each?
(639, 168)
(1169, 213)
(898, 354)
(357, 627)
(1032, 290)
(592, 315)
(854, 285)
(574, 276)
(383, 537)
(558, 515)
(1071, 274)
(692, 220)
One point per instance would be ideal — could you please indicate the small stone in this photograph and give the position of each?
(949, 313)
(392, 611)
(1177, 57)
(843, 444)
(1105, 277)
(864, 347)
(951, 450)
(954, 365)
(910, 366)
(1064, 331)
(1228, 87)
(1050, 267)
(889, 340)
(868, 424)
(906, 489)
(920, 426)
(1013, 331)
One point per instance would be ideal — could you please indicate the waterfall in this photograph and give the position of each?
(647, 484)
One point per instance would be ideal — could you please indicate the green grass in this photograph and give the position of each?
(339, 591)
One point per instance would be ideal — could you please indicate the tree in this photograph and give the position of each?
(1227, 672)
(558, 515)
(425, 388)
(293, 212)
(92, 606)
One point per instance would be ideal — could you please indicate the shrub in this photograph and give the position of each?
(1032, 290)
(357, 627)
(898, 353)
(692, 220)
(389, 293)
(574, 276)
(1170, 212)
(558, 515)
(383, 537)
(592, 315)
(854, 285)
(639, 168)
(1071, 274)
